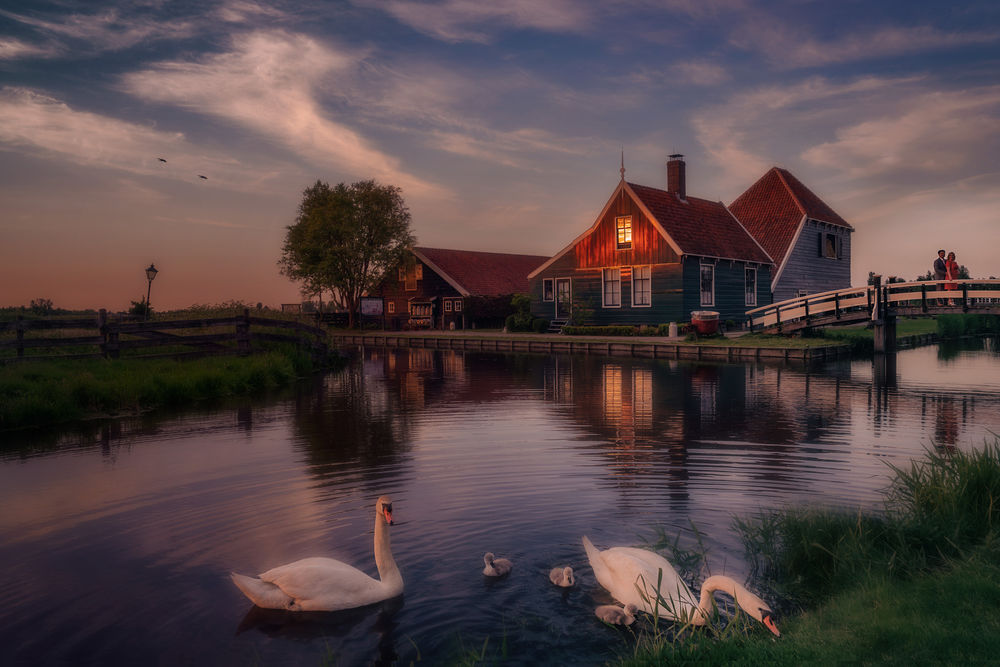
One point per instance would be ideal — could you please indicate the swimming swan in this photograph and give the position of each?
(325, 584)
(562, 576)
(496, 567)
(624, 570)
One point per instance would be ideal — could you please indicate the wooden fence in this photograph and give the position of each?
(108, 337)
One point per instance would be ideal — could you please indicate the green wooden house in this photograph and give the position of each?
(653, 256)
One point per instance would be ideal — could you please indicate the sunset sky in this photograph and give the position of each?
(503, 123)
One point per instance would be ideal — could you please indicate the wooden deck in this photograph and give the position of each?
(649, 348)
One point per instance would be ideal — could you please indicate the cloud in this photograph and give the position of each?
(930, 132)
(12, 49)
(477, 21)
(268, 83)
(700, 73)
(108, 30)
(36, 122)
(790, 47)
(246, 11)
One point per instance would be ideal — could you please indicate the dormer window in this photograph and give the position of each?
(623, 224)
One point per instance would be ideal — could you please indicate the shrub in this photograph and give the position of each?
(611, 330)
(540, 325)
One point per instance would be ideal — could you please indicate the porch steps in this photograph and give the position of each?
(555, 326)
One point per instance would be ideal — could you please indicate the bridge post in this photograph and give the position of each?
(965, 297)
(883, 322)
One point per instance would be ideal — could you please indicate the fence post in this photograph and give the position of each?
(111, 337)
(965, 297)
(836, 304)
(20, 335)
(243, 334)
(923, 298)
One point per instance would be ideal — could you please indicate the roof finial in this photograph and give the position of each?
(622, 170)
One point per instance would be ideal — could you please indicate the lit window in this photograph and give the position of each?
(707, 285)
(612, 288)
(392, 307)
(751, 287)
(641, 286)
(623, 224)
(447, 306)
(547, 294)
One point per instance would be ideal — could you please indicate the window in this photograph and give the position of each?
(641, 286)
(612, 288)
(707, 285)
(751, 287)
(447, 306)
(458, 305)
(392, 307)
(547, 294)
(402, 273)
(623, 224)
(829, 245)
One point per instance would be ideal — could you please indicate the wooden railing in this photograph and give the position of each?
(107, 336)
(855, 304)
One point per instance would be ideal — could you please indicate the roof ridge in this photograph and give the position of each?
(788, 187)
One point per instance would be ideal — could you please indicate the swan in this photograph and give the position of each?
(624, 570)
(615, 615)
(325, 584)
(496, 567)
(562, 576)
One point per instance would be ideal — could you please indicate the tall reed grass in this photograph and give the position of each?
(42, 393)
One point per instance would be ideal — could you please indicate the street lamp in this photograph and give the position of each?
(150, 274)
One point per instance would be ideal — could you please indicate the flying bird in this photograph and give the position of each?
(161, 159)
(205, 177)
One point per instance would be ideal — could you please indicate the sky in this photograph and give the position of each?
(504, 123)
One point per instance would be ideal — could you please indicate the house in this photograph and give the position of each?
(809, 243)
(654, 256)
(454, 289)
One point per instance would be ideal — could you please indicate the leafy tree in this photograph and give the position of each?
(42, 306)
(141, 309)
(345, 239)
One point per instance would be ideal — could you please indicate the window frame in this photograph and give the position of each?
(391, 308)
(447, 305)
(701, 287)
(548, 290)
(604, 287)
(458, 305)
(750, 296)
(623, 232)
(649, 281)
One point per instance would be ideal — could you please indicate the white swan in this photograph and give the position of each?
(496, 567)
(325, 584)
(562, 576)
(615, 615)
(624, 571)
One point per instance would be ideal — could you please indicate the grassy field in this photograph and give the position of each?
(917, 584)
(49, 392)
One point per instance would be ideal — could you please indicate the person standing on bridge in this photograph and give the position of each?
(951, 273)
(940, 270)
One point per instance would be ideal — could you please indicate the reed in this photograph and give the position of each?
(43, 393)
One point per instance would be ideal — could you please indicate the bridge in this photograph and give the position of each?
(878, 304)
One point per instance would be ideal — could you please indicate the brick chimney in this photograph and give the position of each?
(675, 175)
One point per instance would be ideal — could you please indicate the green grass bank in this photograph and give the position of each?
(50, 392)
(916, 584)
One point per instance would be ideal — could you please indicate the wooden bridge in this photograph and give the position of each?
(878, 304)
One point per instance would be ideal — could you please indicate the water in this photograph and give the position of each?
(116, 539)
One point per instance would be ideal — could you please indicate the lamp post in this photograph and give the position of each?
(150, 274)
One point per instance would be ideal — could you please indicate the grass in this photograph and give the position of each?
(44, 393)
(916, 584)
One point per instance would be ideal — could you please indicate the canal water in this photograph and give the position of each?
(117, 539)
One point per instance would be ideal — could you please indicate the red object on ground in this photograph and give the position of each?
(706, 322)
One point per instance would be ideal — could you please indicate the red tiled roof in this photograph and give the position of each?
(484, 273)
(699, 226)
(772, 208)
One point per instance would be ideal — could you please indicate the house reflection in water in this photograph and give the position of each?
(667, 423)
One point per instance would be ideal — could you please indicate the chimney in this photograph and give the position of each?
(675, 175)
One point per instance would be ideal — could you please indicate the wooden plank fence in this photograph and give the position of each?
(107, 336)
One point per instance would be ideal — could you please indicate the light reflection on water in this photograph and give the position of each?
(117, 539)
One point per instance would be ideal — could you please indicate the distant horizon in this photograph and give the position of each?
(185, 135)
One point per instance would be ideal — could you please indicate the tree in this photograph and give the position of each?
(345, 239)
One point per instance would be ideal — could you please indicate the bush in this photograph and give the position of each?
(611, 330)
(540, 325)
